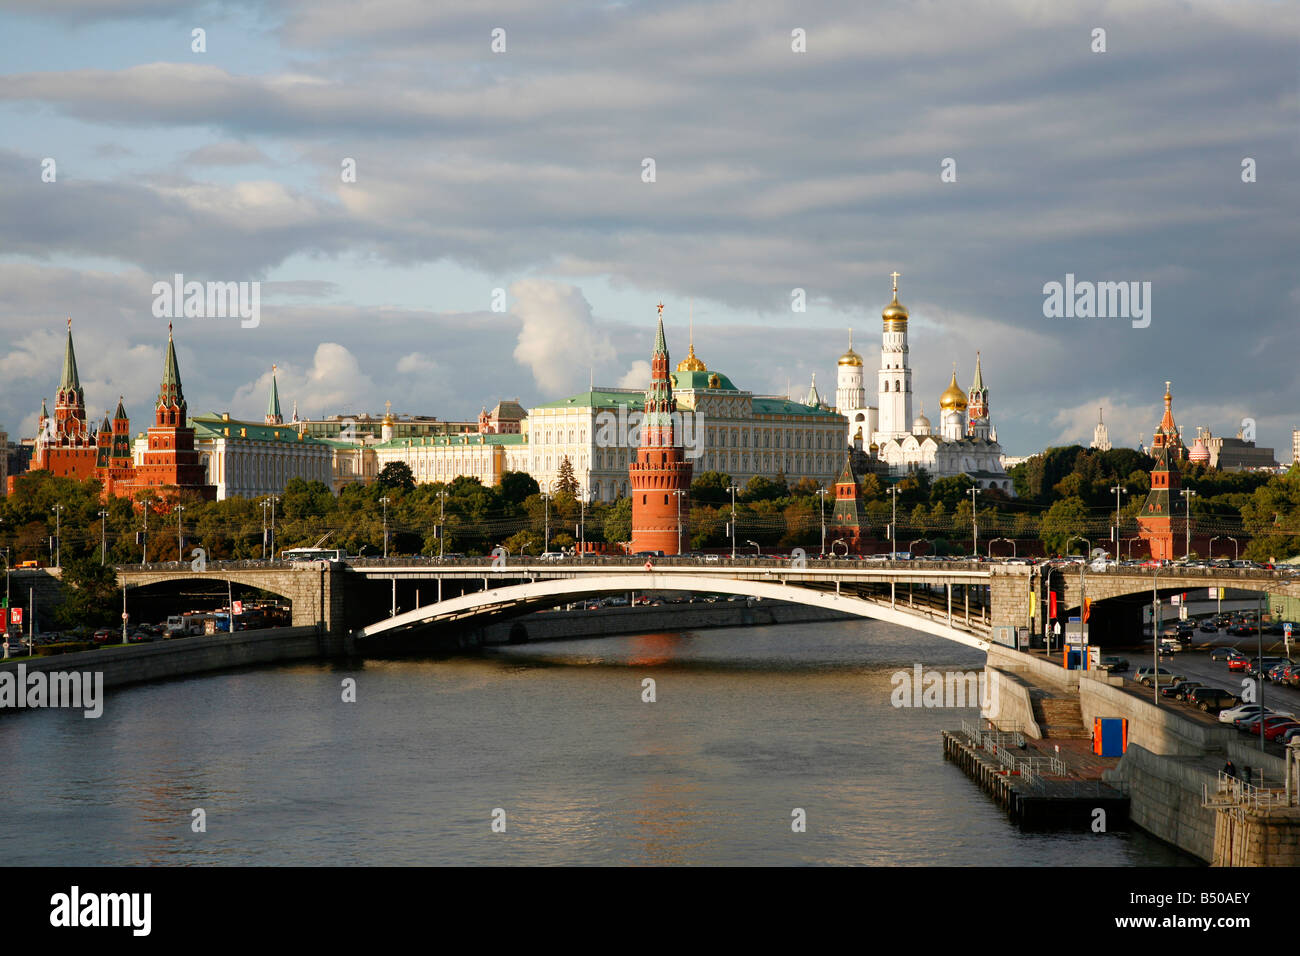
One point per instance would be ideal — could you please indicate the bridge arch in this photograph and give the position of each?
(481, 607)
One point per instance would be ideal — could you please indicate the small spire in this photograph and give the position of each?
(850, 338)
(895, 276)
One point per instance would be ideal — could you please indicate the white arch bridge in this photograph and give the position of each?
(957, 603)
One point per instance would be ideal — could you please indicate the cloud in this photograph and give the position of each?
(558, 339)
(638, 376)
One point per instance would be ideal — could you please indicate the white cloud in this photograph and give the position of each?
(558, 339)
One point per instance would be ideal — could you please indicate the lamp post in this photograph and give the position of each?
(679, 494)
(733, 489)
(180, 540)
(582, 527)
(273, 500)
(840, 541)
(821, 493)
(974, 528)
(1235, 551)
(384, 501)
(144, 553)
(103, 536)
(893, 523)
(995, 540)
(1155, 633)
(1083, 601)
(58, 536)
(442, 523)
(1188, 495)
(912, 545)
(1117, 490)
(546, 528)
(1130, 545)
(4, 625)
(758, 552)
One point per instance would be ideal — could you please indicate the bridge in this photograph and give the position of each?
(972, 603)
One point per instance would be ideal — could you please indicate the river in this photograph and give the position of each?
(748, 724)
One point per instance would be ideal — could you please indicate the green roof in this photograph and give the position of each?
(171, 371)
(214, 426)
(598, 398)
(699, 381)
(273, 404)
(443, 441)
(69, 380)
(785, 406)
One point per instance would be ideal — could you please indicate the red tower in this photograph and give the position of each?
(170, 459)
(1165, 509)
(64, 446)
(660, 478)
(846, 519)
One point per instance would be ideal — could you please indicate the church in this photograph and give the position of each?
(966, 442)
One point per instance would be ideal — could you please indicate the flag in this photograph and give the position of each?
(1087, 608)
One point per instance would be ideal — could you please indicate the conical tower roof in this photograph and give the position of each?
(273, 416)
(979, 375)
(120, 414)
(69, 381)
(171, 371)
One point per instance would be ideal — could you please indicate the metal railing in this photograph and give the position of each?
(1234, 794)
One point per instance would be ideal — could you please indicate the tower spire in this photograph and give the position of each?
(273, 416)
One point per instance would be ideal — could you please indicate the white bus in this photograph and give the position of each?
(313, 554)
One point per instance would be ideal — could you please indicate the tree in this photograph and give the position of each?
(1065, 519)
(518, 486)
(618, 521)
(396, 474)
(710, 488)
(566, 482)
(92, 594)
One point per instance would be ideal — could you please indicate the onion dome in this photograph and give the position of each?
(851, 357)
(691, 363)
(895, 314)
(953, 399)
(921, 425)
(1199, 455)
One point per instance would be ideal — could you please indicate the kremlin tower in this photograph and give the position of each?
(1164, 506)
(170, 459)
(977, 406)
(660, 478)
(895, 376)
(64, 445)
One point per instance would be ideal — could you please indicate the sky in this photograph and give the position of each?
(502, 236)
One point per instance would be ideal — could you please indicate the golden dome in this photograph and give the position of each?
(953, 398)
(851, 357)
(691, 363)
(895, 311)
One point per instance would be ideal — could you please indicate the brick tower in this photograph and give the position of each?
(846, 519)
(170, 460)
(64, 446)
(1165, 509)
(661, 469)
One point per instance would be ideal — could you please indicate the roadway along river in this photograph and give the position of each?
(749, 724)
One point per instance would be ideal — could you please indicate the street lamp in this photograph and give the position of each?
(893, 523)
(1009, 540)
(733, 489)
(758, 552)
(821, 493)
(58, 537)
(144, 553)
(1117, 490)
(384, 501)
(840, 541)
(268, 502)
(442, 523)
(911, 548)
(679, 494)
(103, 536)
(1188, 495)
(180, 542)
(1083, 601)
(1130, 545)
(974, 528)
(546, 528)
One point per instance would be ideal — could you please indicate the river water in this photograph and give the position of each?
(748, 724)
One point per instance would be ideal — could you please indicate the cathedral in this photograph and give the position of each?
(966, 442)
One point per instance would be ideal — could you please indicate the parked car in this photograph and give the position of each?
(1250, 725)
(1232, 714)
(1150, 676)
(1115, 665)
(1276, 731)
(1213, 699)
(1177, 689)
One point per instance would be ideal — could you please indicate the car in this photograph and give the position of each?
(1149, 676)
(552, 556)
(1277, 672)
(1221, 653)
(1289, 735)
(1209, 627)
(1238, 663)
(1275, 731)
(1258, 665)
(1250, 725)
(1176, 689)
(1213, 699)
(1232, 714)
(1115, 665)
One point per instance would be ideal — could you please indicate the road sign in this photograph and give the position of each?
(237, 607)
(1286, 630)
(15, 615)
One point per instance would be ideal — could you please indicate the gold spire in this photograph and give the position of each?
(691, 363)
(850, 357)
(388, 413)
